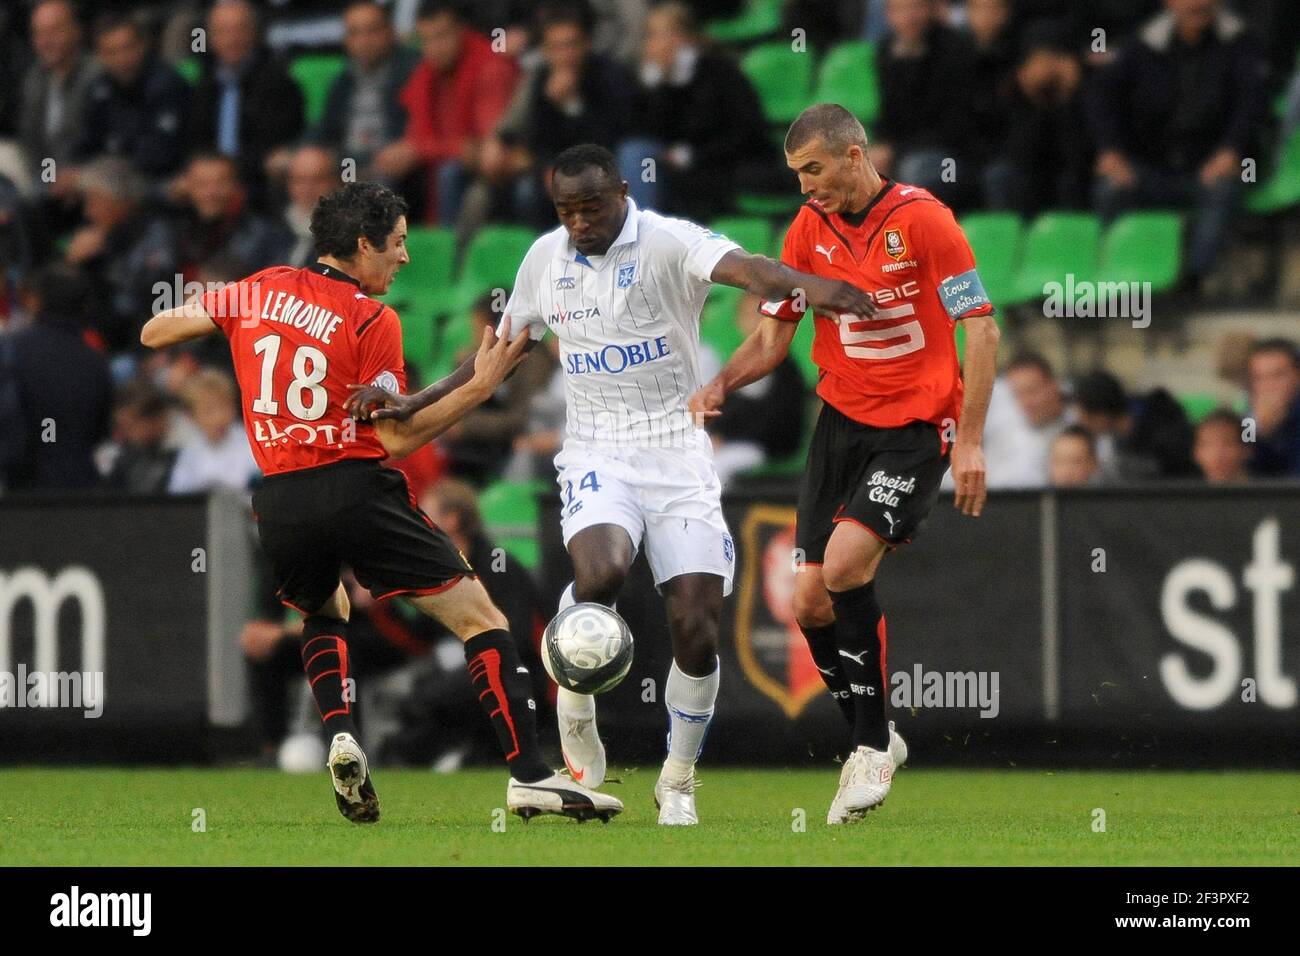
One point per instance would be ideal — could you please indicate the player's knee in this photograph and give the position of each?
(694, 629)
(599, 582)
(844, 574)
(812, 605)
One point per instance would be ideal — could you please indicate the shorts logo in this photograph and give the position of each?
(565, 282)
(885, 490)
(895, 246)
(626, 275)
(728, 549)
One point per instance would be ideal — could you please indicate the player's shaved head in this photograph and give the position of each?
(835, 126)
(590, 197)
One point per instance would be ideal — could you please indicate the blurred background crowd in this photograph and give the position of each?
(146, 147)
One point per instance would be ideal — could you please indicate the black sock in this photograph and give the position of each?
(324, 645)
(505, 694)
(859, 630)
(826, 655)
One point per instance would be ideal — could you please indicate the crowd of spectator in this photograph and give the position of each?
(123, 183)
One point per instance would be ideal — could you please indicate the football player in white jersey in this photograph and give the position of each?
(622, 288)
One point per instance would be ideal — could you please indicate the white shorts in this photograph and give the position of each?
(670, 497)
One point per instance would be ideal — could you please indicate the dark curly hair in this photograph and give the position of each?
(352, 211)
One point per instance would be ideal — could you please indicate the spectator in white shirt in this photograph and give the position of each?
(219, 457)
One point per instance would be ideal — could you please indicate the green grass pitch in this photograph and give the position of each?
(750, 817)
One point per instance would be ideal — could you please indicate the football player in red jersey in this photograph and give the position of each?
(896, 410)
(300, 338)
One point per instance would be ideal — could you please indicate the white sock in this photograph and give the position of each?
(690, 703)
(573, 705)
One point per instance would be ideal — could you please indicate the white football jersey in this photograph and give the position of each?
(628, 324)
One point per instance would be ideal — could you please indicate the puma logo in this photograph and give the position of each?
(856, 657)
(827, 252)
(890, 518)
(828, 671)
(904, 192)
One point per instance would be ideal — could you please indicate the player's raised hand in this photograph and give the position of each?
(369, 403)
(706, 403)
(968, 475)
(833, 295)
(497, 355)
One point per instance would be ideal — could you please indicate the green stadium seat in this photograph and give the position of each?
(491, 262)
(783, 78)
(1058, 244)
(784, 204)
(1143, 247)
(848, 77)
(1197, 405)
(995, 238)
(510, 514)
(1282, 190)
(759, 19)
(751, 233)
(421, 291)
(314, 72)
(189, 69)
(428, 280)
(718, 320)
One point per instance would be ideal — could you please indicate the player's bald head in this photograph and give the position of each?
(832, 124)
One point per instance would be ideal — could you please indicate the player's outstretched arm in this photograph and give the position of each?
(980, 368)
(186, 322)
(495, 360)
(757, 356)
(770, 279)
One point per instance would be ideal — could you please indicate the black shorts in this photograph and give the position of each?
(313, 521)
(884, 479)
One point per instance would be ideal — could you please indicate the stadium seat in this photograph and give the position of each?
(429, 278)
(189, 69)
(759, 19)
(510, 513)
(783, 78)
(718, 321)
(491, 262)
(783, 204)
(751, 233)
(314, 72)
(1282, 190)
(995, 238)
(1143, 247)
(1197, 405)
(1058, 244)
(848, 77)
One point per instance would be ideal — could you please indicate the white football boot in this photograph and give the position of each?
(350, 772)
(870, 778)
(897, 755)
(675, 798)
(580, 745)
(560, 795)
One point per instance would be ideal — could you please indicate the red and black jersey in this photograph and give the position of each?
(907, 250)
(299, 338)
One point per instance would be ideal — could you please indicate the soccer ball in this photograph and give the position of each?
(587, 649)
